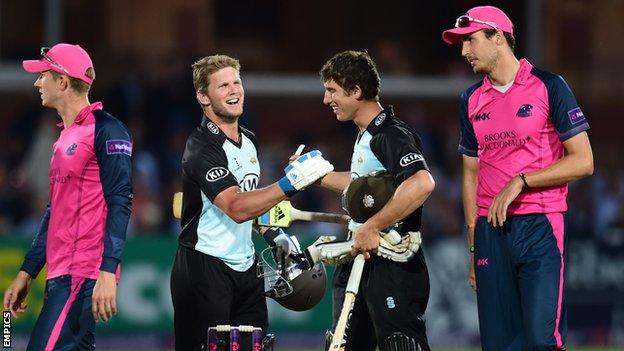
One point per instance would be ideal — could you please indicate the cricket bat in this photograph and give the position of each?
(353, 285)
(280, 215)
(283, 214)
(177, 205)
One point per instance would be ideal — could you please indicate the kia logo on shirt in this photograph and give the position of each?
(216, 173)
(482, 116)
(410, 158)
(212, 128)
(379, 120)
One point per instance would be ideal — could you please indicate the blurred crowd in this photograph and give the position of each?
(161, 111)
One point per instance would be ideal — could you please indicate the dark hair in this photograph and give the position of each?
(511, 41)
(353, 68)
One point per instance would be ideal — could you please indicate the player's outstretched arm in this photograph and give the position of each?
(336, 181)
(299, 174)
(15, 295)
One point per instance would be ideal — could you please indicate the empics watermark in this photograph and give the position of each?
(6, 329)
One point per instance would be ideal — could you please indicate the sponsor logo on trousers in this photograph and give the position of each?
(482, 262)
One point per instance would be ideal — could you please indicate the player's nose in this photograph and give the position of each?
(327, 98)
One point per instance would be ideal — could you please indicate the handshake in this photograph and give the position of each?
(303, 171)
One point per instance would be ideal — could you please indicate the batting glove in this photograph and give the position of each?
(303, 171)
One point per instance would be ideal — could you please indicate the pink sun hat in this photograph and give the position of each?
(62, 58)
(478, 18)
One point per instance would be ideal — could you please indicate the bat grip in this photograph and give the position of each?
(353, 283)
(352, 288)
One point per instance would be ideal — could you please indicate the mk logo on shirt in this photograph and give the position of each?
(483, 262)
(482, 116)
(525, 111)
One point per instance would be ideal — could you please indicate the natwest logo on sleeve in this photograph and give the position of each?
(216, 173)
(118, 146)
(410, 158)
(576, 115)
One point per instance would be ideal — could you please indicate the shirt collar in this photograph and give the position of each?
(521, 75)
(380, 120)
(82, 115)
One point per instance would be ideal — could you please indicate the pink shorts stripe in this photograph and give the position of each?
(556, 222)
(76, 285)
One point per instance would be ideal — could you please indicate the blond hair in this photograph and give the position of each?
(79, 86)
(208, 65)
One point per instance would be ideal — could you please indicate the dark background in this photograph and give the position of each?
(142, 51)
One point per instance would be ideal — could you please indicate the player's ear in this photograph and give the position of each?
(357, 92)
(63, 82)
(202, 98)
(500, 37)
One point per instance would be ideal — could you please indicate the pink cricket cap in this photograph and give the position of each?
(480, 17)
(62, 58)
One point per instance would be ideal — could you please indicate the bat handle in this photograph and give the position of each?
(300, 150)
(351, 291)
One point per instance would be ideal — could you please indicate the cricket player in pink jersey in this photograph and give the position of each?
(523, 138)
(83, 230)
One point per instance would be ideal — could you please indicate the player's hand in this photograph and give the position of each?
(472, 279)
(497, 214)
(15, 294)
(365, 239)
(104, 297)
(287, 243)
(305, 170)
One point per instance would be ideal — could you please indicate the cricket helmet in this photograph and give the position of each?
(366, 195)
(292, 282)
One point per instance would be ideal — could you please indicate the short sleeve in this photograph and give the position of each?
(468, 144)
(565, 113)
(209, 168)
(400, 151)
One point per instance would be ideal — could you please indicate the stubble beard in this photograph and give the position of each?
(225, 115)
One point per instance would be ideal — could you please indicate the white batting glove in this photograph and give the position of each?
(287, 243)
(305, 170)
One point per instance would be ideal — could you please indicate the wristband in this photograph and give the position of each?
(286, 187)
(523, 177)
